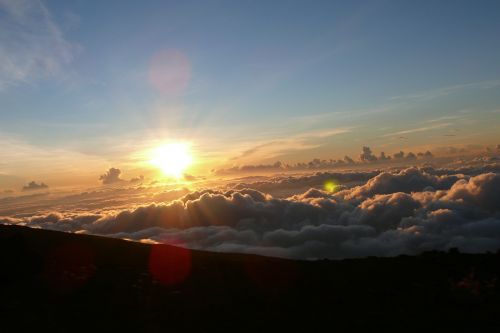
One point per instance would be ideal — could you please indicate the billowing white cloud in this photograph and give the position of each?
(407, 180)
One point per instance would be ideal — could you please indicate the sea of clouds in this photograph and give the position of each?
(370, 213)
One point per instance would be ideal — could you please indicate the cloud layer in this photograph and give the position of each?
(389, 213)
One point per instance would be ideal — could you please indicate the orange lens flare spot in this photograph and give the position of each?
(169, 264)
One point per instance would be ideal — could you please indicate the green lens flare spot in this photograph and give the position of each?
(330, 186)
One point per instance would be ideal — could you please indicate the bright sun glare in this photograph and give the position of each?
(172, 159)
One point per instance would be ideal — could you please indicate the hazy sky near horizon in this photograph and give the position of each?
(87, 85)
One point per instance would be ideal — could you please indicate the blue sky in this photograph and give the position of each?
(284, 75)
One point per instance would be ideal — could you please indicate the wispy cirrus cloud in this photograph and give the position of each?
(418, 129)
(444, 91)
(32, 46)
(285, 143)
(324, 133)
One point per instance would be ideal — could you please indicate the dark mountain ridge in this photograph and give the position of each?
(70, 282)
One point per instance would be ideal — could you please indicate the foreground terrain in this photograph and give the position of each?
(70, 282)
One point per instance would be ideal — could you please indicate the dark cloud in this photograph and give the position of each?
(427, 154)
(138, 179)
(34, 186)
(367, 155)
(399, 155)
(411, 156)
(111, 176)
(275, 167)
(348, 160)
(382, 157)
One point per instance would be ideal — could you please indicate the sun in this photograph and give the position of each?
(172, 158)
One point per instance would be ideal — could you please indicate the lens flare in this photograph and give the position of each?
(330, 186)
(170, 72)
(168, 264)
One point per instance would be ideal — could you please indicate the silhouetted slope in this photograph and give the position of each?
(68, 282)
